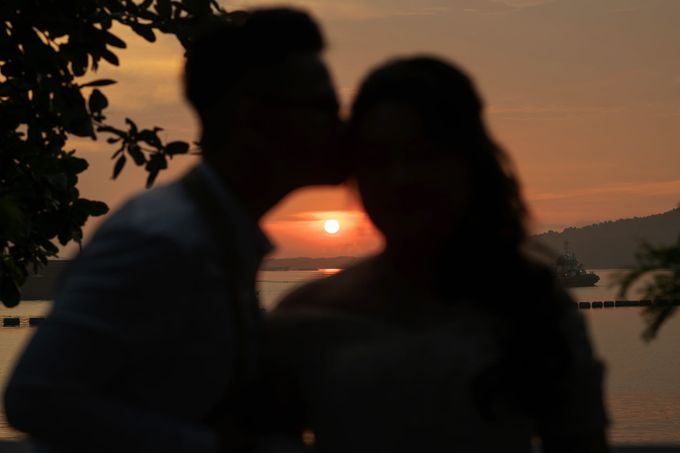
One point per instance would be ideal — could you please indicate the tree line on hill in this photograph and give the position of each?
(614, 244)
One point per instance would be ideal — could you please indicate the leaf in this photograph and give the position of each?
(114, 40)
(58, 182)
(76, 234)
(64, 237)
(132, 125)
(13, 217)
(79, 59)
(99, 83)
(157, 163)
(112, 130)
(150, 137)
(118, 152)
(5, 89)
(144, 31)
(94, 208)
(50, 248)
(110, 57)
(97, 101)
(9, 290)
(151, 178)
(164, 8)
(81, 128)
(177, 147)
(136, 153)
(75, 165)
(118, 167)
(197, 7)
(70, 105)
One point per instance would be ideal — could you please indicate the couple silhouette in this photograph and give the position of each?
(411, 350)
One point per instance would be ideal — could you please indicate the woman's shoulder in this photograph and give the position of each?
(338, 291)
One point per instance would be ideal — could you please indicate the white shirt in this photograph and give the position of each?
(142, 341)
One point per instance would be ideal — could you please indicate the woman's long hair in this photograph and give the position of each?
(494, 225)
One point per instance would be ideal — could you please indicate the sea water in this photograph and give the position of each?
(642, 379)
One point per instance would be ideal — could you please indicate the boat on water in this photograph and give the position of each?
(570, 270)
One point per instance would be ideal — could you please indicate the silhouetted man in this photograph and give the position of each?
(156, 322)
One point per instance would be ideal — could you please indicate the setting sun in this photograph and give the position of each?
(331, 226)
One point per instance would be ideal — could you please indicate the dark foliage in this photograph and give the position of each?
(663, 262)
(47, 47)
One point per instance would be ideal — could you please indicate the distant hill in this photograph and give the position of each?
(613, 244)
(608, 244)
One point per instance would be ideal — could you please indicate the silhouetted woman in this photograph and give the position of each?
(451, 339)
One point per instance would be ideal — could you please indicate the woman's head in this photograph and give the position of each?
(429, 172)
(436, 184)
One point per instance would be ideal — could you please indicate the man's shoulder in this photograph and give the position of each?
(165, 213)
(157, 210)
(159, 228)
(154, 245)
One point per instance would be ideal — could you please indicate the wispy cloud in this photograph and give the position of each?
(654, 188)
(546, 111)
(426, 11)
(628, 9)
(523, 3)
(352, 9)
(318, 216)
(495, 7)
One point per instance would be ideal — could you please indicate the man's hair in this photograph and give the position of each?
(226, 50)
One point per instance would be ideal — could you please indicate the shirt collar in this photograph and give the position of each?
(252, 243)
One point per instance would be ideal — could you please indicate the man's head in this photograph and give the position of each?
(265, 99)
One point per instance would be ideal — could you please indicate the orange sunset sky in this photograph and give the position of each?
(584, 94)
